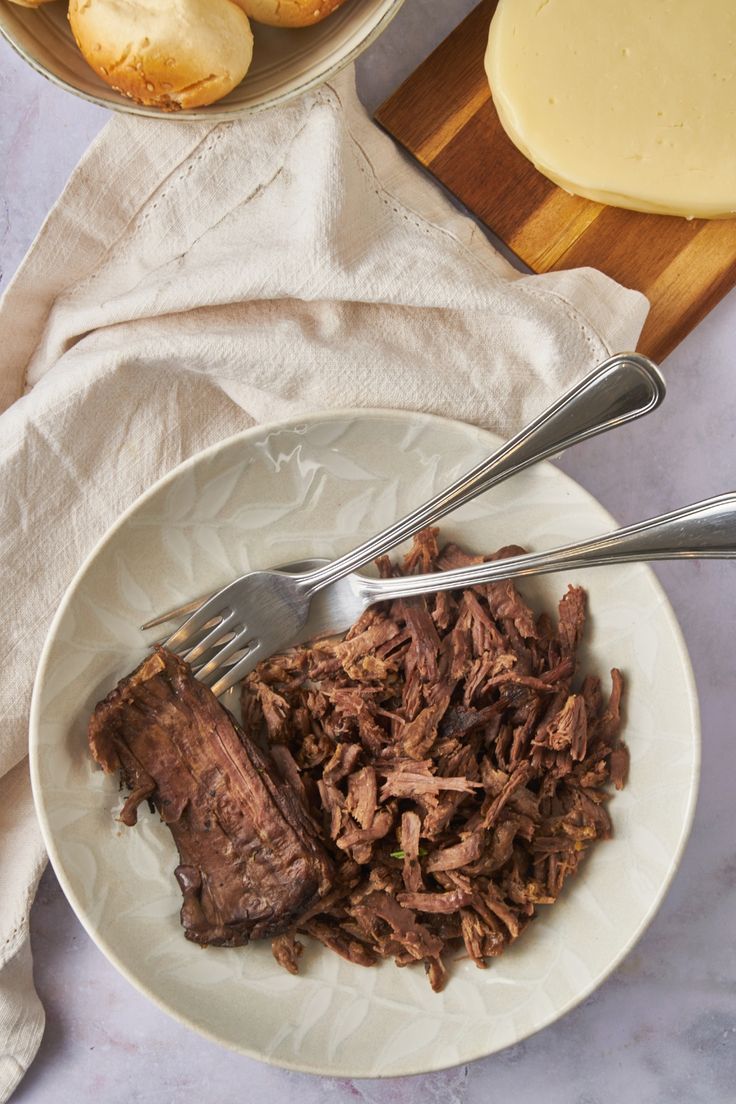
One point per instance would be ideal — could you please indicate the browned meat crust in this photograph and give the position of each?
(251, 862)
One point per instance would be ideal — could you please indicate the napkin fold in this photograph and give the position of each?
(193, 280)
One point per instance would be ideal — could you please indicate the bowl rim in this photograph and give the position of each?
(244, 436)
(209, 113)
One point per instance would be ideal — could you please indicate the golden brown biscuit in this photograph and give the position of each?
(170, 54)
(289, 13)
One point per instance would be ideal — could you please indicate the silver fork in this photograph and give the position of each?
(264, 611)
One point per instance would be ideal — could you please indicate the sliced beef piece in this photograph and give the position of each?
(435, 902)
(568, 729)
(422, 556)
(414, 937)
(335, 937)
(251, 861)
(459, 855)
(610, 722)
(410, 784)
(619, 766)
(411, 872)
(363, 796)
(572, 620)
(436, 973)
(506, 604)
(286, 949)
(425, 642)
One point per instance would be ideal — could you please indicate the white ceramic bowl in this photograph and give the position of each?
(315, 487)
(285, 62)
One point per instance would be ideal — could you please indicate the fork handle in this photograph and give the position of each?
(624, 387)
(705, 530)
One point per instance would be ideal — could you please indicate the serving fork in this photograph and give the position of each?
(266, 610)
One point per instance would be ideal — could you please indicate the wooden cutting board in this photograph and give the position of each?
(444, 116)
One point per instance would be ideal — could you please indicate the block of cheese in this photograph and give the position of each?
(626, 102)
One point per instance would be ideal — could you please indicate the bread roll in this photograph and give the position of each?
(31, 3)
(289, 13)
(170, 54)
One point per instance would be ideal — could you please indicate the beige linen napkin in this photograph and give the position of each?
(195, 279)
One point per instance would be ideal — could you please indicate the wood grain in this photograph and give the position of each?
(443, 115)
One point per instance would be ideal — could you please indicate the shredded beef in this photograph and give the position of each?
(458, 769)
(286, 950)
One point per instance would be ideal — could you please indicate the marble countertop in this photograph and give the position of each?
(662, 1028)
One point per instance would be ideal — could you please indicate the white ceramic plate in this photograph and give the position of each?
(315, 487)
(286, 63)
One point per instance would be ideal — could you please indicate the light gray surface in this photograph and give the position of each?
(663, 1028)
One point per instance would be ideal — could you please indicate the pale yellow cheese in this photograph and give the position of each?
(627, 102)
